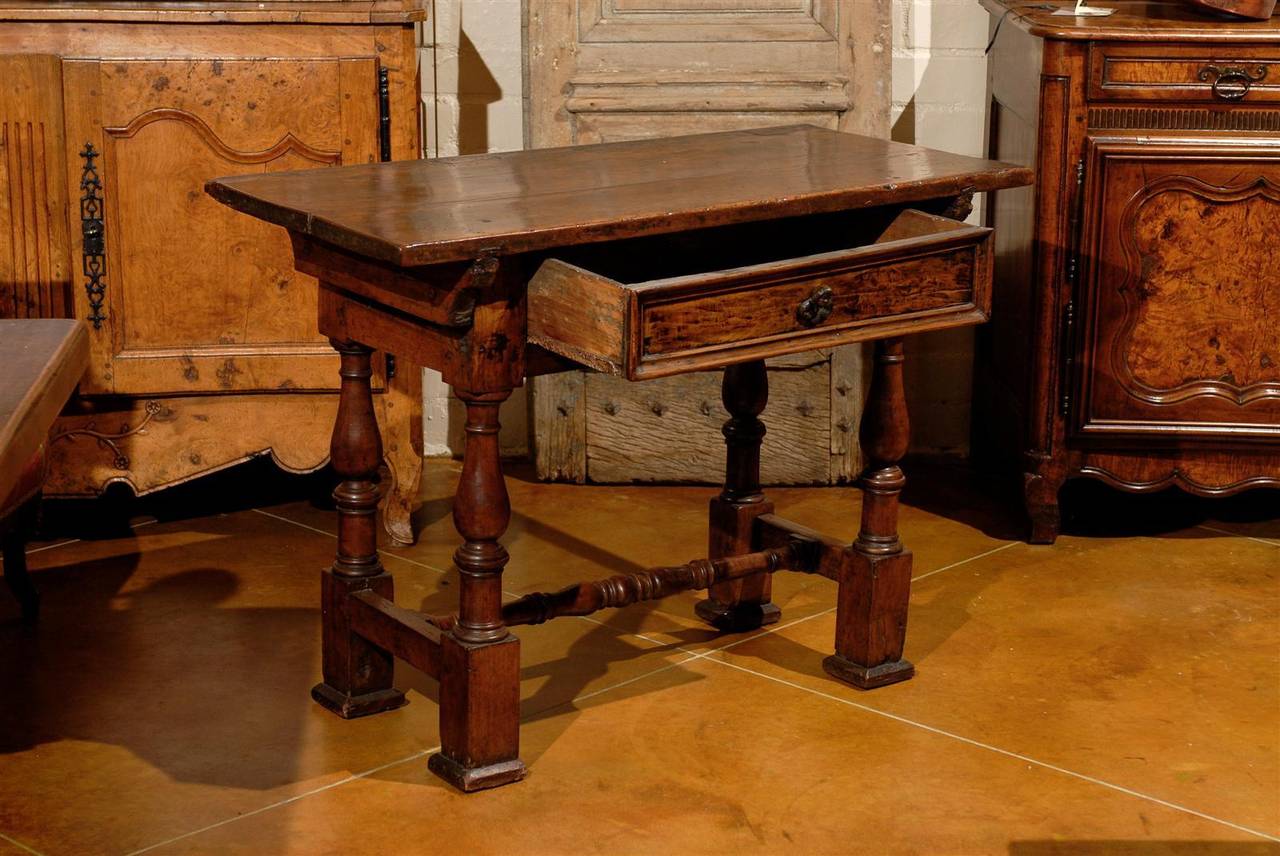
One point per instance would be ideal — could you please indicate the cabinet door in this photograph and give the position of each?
(1180, 290)
(191, 296)
(35, 281)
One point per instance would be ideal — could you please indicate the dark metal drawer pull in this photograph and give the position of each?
(815, 308)
(1232, 82)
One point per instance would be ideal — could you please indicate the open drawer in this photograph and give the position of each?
(644, 310)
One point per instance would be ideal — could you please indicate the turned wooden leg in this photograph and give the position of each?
(875, 578)
(357, 673)
(480, 671)
(740, 604)
(13, 542)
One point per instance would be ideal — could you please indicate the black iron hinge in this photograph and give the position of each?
(391, 366)
(384, 114)
(1067, 345)
(1068, 325)
(92, 233)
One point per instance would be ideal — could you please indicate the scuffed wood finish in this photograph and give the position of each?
(1259, 10)
(43, 361)
(194, 337)
(1136, 21)
(1135, 312)
(35, 276)
(423, 212)
(414, 309)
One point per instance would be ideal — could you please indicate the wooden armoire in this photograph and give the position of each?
(612, 70)
(203, 338)
(1135, 332)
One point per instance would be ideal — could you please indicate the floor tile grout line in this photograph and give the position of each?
(990, 552)
(382, 551)
(1266, 541)
(1005, 752)
(699, 655)
(16, 843)
(296, 797)
(71, 541)
(692, 656)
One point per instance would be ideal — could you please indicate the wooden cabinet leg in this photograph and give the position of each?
(740, 604)
(357, 673)
(875, 580)
(13, 543)
(480, 667)
(1040, 493)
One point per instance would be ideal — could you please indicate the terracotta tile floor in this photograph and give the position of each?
(1118, 692)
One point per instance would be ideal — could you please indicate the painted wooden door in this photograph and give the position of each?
(184, 295)
(608, 70)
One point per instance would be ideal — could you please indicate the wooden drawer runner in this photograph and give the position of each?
(1222, 75)
(922, 272)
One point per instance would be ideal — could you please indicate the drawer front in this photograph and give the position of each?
(924, 273)
(811, 299)
(1230, 75)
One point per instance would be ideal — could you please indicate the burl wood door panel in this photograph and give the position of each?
(1181, 289)
(197, 298)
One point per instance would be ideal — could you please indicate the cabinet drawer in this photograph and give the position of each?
(922, 272)
(1227, 75)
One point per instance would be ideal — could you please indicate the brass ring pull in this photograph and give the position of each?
(815, 308)
(1232, 82)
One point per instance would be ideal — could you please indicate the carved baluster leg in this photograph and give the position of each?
(480, 677)
(740, 604)
(871, 614)
(357, 673)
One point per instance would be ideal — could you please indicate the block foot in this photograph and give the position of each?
(468, 779)
(737, 617)
(350, 707)
(867, 677)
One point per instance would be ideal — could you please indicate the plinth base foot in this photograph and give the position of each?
(469, 779)
(350, 707)
(864, 677)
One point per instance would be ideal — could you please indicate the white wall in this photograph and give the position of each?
(473, 103)
(939, 92)
(472, 61)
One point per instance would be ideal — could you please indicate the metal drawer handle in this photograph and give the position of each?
(1232, 82)
(815, 308)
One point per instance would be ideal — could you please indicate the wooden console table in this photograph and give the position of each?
(642, 259)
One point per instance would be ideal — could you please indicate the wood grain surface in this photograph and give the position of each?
(1135, 21)
(421, 212)
(43, 359)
